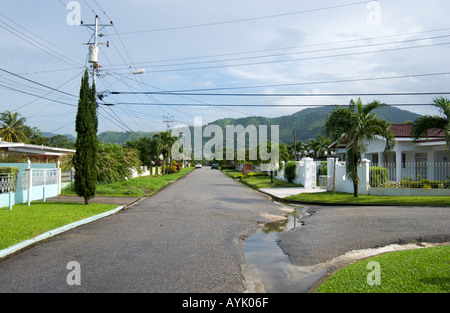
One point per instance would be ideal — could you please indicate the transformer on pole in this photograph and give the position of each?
(93, 46)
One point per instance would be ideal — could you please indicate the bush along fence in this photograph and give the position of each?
(417, 179)
(29, 184)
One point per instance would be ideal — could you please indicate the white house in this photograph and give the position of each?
(37, 153)
(428, 158)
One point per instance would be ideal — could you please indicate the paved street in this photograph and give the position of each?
(189, 237)
(186, 238)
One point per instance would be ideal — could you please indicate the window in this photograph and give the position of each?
(421, 166)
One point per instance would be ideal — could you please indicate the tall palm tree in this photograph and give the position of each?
(164, 142)
(355, 124)
(12, 127)
(422, 124)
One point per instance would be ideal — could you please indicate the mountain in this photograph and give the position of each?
(49, 135)
(308, 123)
(122, 137)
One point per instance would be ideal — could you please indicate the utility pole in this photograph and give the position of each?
(93, 46)
(295, 148)
(168, 120)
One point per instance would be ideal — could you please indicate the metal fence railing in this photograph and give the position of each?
(8, 183)
(410, 175)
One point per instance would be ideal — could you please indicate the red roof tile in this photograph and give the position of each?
(404, 130)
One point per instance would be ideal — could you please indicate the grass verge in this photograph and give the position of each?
(25, 222)
(135, 187)
(345, 198)
(424, 270)
(259, 182)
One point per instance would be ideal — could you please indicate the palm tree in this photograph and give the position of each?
(355, 124)
(164, 142)
(319, 146)
(12, 128)
(422, 124)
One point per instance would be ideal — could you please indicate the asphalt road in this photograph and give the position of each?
(189, 237)
(186, 238)
(329, 231)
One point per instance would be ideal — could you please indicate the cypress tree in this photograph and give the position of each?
(86, 125)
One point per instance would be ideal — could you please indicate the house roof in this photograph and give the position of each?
(404, 131)
(33, 149)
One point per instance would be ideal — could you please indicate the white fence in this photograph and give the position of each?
(30, 185)
(305, 173)
(420, 179)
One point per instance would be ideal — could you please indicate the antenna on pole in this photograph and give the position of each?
(168, 120)
(93, 46)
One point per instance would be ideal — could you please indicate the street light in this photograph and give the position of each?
(101, 94)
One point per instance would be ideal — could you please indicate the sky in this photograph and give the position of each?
(222, 58)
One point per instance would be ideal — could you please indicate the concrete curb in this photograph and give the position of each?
(24, 244)
(27, 243)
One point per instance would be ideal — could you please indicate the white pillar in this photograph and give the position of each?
(398, 165)
(364, 179)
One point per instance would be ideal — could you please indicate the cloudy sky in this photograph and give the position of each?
(239, 53)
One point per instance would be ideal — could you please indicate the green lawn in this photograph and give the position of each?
(259, 182)
(345, 198)
(25, 222)
(136, 187)
(424, 270)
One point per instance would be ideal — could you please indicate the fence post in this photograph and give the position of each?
(10, 200)
(364, 178)
(29, 173)
(58, 173)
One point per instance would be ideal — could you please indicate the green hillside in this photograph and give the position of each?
(308, 123)
(122, 137)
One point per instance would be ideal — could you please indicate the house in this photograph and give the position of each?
(38, 154)
(428, 158)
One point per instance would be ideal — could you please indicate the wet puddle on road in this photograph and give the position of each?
(268, 267)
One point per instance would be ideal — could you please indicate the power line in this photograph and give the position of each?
(301, 59)
(41, 97)
(285, 94)
(295, 47)
(350, 80)
(257, 105)
(246, 19)
(299, 52)
(37, 83)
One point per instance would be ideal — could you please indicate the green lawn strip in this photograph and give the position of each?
(25, 222)
(135, 187)
(259, 182)
(346, 198)
(424, 270)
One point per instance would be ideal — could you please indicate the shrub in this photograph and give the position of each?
(227, 167)
(9, 170)
(424, 183)
(378, 176)
(290, 171)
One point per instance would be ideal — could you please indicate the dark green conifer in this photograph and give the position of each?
(85, 158)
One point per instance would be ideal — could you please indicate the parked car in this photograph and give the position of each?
(198, 165)
(214, 166)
